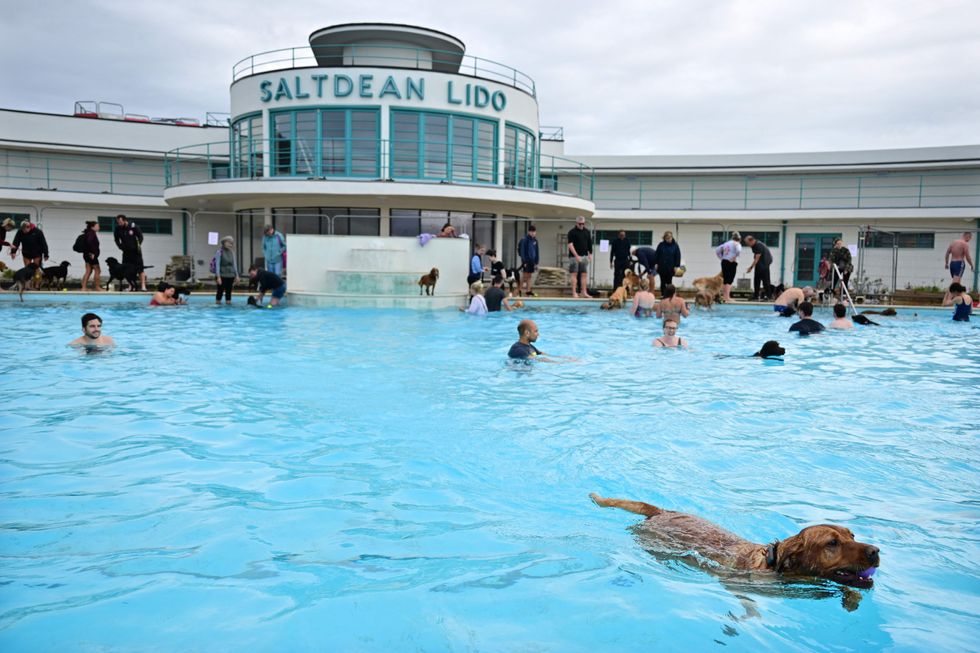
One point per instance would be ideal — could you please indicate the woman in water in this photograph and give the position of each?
(644, 300)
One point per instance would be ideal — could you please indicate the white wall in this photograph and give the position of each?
(319, 266)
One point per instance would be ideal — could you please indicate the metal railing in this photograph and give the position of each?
(80, 174)
(892, 190)
(398, 56)
(378, 159)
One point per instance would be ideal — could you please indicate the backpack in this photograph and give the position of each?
(213, 266)
(79, 245)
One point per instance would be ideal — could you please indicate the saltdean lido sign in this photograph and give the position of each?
(322, 85)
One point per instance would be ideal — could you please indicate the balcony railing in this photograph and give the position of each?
(379, 160)
(397, 56)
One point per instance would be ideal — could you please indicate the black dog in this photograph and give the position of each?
(56, 273)
(24, 276)
(123, 272)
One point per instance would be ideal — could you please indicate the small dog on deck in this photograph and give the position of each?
(616, 300)
(708, 290)
(428, 282)
(56, 274)
(23, 277)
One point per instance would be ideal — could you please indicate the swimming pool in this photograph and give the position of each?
(235, 479)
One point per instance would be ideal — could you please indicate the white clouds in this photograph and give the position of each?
(667, 76)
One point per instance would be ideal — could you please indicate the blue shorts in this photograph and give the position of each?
(957, 268)
(279, 292)
(779, 308)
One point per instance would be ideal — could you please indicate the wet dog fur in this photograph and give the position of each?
(428, 282)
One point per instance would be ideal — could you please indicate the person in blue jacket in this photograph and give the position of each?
(668, 258)
(527, 249)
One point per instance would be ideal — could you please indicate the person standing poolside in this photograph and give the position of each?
(668, 259)
(790, 299)
(672, 306)
(761, 260)
(807, 324)
(961, 302)
(266, 281)
(841, 320)
(129, 239)
(92, 333)
(619, 258)
(958, 255)
(496, 297)
(579, 256)
(224, 265)
(34, 247)
(670, 338)
(5, 226)
(478, 305)
(476, 264)
(274, 250)
(644, 301)
(90, 254)
(527, 249)
(841, 257)
(729, 252)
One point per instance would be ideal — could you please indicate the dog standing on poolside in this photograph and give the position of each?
(708, 290)
(23, 277)
(56, 274)
(631, 281)
(428, 282)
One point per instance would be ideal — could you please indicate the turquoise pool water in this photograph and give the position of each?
(232, 479)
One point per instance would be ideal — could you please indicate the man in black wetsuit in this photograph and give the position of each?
(807, 324)
(619, 258)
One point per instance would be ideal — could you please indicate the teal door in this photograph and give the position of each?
(810, 248)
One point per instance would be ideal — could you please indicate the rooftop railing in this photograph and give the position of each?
(398, 56)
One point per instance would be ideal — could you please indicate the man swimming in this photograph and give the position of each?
(92, 337)
(790, 299)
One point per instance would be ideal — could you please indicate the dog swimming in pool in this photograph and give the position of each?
(823, 551)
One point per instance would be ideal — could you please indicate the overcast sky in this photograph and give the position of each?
(621, 76)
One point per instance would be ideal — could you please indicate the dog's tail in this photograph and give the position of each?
(638, 507)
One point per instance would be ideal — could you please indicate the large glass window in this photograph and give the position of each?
(327, 143)
(904, 239)
(350, 221)
(520, 168)
(247, 147)
(442, 146)
(412, 222)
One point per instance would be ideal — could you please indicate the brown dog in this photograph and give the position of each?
(712, 285)
(428, 282)
(631, 281)
(825, 551)
(704, 299)
(616, 300)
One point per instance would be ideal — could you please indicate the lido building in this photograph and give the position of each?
(381, 131)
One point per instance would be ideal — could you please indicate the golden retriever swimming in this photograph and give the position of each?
(824, 551)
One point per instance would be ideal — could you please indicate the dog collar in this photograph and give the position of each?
(771, 553)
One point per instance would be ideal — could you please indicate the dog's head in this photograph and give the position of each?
(65, 264)
(112, 262)
(434, 273)
(828, 552)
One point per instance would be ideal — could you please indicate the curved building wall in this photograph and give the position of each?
(383, 123)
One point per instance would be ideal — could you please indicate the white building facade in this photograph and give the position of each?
(392, 130)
